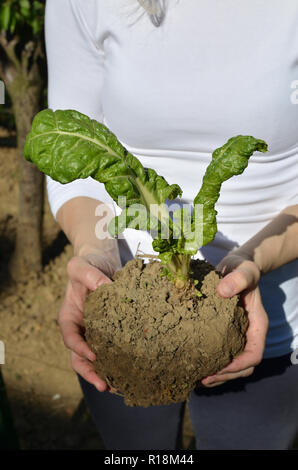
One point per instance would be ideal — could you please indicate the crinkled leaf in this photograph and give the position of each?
(229, 160)
(68, 145)
(5, 16)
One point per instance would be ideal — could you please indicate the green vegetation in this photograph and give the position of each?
(67, 145)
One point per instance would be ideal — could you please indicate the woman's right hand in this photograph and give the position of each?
(85, 273)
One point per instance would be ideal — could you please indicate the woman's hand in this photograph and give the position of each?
(85, 273)
(242, 276)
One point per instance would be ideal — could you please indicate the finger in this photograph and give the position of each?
(220, 378)
(86, 370)
(73, 303)
(79, 270)
(72, 337)
(211, 385)
(255, 338)
(238, 280)
(232, 284)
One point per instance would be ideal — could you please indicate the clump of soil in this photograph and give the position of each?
(153, 343)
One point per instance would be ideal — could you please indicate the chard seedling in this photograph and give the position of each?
(68, 145)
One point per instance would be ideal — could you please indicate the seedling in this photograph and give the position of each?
(68, 145)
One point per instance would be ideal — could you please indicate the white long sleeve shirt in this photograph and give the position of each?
(173, 94)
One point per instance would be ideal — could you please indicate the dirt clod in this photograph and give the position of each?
(154, 342)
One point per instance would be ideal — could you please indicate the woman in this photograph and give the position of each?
(174, 80)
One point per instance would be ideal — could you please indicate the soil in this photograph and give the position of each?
(46, 400)
(154, 342)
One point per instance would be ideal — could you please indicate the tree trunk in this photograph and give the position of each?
(8, 436)
(25, 95)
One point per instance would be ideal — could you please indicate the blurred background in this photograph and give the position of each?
(41, 405)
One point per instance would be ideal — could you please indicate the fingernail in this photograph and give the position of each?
(99, 282)
(227, 290)
(209, 381)
(102, 281)
(99, 387)
(215, 384)
(96, 281)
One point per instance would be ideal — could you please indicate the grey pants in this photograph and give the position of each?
(256, 412)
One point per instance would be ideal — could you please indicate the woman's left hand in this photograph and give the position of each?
(241, 276)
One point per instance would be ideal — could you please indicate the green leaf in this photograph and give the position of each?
(24, 17)
(67, 145)
(5, 15)
(35, 25)
(25, 4)
(25, 8)
(38, 5)
(13, 24)
(229, 160)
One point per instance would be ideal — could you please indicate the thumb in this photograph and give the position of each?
(245, 276)
(79, 270)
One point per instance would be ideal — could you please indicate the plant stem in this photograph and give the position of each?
(179, 267)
